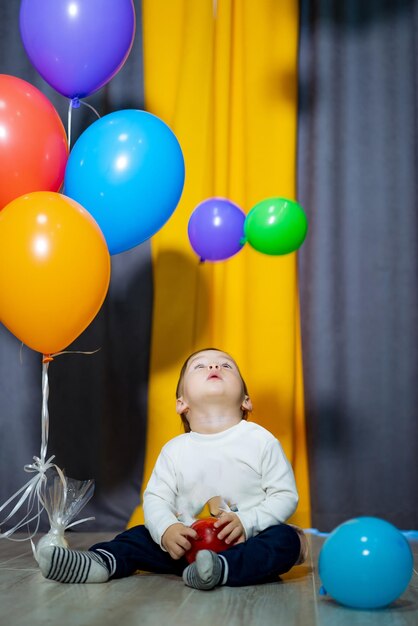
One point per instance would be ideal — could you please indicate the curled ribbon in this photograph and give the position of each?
(75, 104)
(32, 493)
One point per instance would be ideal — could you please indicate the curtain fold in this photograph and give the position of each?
(223, 77)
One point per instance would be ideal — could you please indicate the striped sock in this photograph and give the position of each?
(72, 566)
(206, 572)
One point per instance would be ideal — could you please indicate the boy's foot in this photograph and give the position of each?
(72, 566)
(303, 554)
(206, 572)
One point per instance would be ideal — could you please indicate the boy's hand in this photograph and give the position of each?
(175, 540)
(232, 531)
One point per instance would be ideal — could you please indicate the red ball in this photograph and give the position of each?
(207, 539)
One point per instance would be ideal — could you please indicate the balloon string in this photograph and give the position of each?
(32, 492)
(80, 521)
(45, 412)
(70, 109)
(47, 358)
(74, 104)
(86, 104)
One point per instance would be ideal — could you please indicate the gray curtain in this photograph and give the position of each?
(97, 403)
(357, 164)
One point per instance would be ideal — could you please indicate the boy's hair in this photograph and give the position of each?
(179, 390)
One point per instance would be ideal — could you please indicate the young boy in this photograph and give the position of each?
(236, 466)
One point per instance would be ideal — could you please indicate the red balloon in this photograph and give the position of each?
(207, 539)
(33, 143)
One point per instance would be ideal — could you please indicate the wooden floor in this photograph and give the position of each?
(28, 599)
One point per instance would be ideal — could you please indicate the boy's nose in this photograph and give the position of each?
(214, 366)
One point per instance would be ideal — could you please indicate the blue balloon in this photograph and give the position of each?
(365, 563)
(127, 170)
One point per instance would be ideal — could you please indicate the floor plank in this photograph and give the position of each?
(151, 600)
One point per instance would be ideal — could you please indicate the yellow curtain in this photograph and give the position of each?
(222, 75)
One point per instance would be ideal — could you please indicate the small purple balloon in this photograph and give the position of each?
(216, 229)
(77, 45)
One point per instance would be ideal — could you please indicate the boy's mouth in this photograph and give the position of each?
(214, 376)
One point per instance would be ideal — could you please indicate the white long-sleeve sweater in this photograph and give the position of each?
(244, 465)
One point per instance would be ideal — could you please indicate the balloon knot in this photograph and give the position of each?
(47, 358)
(75, 103)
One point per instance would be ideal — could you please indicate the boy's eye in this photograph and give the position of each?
(198, 365)
(227, 365)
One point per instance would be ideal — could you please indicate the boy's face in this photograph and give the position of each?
(211, 375)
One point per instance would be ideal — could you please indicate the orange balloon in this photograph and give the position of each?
(33, 143)
(54, 270)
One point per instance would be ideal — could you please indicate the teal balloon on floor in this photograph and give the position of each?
(365, 563)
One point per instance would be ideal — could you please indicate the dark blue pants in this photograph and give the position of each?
(259, 559)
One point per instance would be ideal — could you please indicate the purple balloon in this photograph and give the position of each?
(77, 45)
(216, 229)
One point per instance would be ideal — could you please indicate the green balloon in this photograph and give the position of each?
(276, 226)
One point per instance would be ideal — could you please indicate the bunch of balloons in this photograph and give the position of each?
(365, 563)
(122, 180)
(218, 228)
